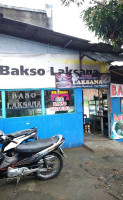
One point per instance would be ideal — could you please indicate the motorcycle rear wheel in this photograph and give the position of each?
(54, 164)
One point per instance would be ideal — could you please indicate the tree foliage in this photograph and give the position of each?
(105, 19)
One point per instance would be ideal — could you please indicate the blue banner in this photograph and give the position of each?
(97, 80)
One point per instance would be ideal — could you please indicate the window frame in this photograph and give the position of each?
(62, 89)
(3, 99)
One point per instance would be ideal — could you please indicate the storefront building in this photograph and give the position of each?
(28, 94)
(29, 97)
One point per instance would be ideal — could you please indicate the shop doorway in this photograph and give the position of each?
(95, 109)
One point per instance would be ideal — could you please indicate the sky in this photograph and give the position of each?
(65, 19)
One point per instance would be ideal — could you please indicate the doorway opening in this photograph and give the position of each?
(95, 112)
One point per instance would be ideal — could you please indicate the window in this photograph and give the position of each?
(28, 103)
(59, 101)
(23, 103)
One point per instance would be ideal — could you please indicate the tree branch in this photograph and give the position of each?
(99, 3)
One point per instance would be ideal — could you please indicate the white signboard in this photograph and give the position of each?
(37, 71)
(34, 71)
(116, 90)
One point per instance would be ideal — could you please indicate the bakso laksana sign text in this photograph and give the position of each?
(79, 80)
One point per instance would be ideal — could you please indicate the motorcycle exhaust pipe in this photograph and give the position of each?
(13, 173)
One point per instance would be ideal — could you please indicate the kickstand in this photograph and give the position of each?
(18, 179)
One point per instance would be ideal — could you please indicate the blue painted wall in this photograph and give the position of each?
(69, 125)
(116, 105)
(1, 124)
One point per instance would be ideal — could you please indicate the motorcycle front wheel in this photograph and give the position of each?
(53, 164)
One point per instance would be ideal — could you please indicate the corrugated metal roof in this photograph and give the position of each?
(46, 36)
(34, 33)
(96, 56)
(42, 35)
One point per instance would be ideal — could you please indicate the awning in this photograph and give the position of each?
(103, 57)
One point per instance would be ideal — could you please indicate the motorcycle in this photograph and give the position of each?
(42, 157)
(12, 140)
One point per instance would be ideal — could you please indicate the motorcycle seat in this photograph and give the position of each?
(36, 146)
(20, 133)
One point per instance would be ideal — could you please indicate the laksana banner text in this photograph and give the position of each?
(96, 80)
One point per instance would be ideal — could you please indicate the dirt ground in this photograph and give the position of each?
(85, 176)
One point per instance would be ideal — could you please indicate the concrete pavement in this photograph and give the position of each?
(85, 176)
(103, 145)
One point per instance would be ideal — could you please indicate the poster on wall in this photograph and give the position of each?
(116, 90)
(117, 126)
(97, 80)
(59, 100)
(63, 81)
